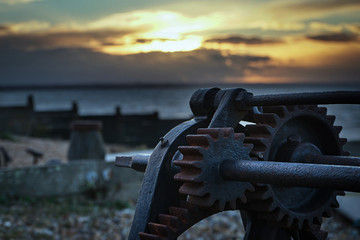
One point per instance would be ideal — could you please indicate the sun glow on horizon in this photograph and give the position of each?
(188, 44)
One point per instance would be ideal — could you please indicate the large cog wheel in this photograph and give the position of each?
(279, 134)
(199, 173)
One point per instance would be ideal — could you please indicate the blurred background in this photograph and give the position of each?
(131, 67)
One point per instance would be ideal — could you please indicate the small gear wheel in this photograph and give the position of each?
(289, 134)
(200, 168)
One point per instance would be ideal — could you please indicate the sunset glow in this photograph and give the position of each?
(265, 41)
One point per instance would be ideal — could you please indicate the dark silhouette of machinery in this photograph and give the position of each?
(282, 172)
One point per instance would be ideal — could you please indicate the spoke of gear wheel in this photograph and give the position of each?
(267, 135)
(200, 168)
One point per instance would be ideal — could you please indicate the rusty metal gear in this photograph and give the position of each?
(288, 134)
(178, 219)
(199, 173)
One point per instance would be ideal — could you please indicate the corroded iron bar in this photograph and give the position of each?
(136, 162)
(314, 98)
(290, 174)
(334, 160)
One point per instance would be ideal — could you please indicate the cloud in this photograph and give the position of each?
(4, 29)
(335, 67)
(325, 27)
(53, 40)
(83, 66)
(13, 2)
(142, 40)
(322, 5)
(242, 39)
(310, 9)
(334, 37)
(157, 24)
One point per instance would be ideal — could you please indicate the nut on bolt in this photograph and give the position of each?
(163, 141)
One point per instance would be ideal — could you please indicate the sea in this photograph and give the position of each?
(171, 102)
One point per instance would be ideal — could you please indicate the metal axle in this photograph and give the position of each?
(290, 174)
(335, 172)
(312, 98)
(136, 162)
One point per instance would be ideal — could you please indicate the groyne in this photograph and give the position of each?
(136, 129)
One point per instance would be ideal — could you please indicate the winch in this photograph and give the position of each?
(278, 159)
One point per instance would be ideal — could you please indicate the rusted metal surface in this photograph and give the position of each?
(283, 172)
(136, 162)
(289, 174)
(335, 97)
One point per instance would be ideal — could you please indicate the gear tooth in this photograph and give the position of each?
(271, 206)
(249, 146)
(260, 195)
(279, 215)
(191, 175)
(289, 221)
(337, 129)
(341, 193)
(281, 111)
(159, 229)
(212, 132)
(300, 223)
(307, 223)
(205, 201)
(193, 189)
(188, 164)
(228, 132)
(327, 213)
(181, 213)
(342, 141)
(317, 220)
(313, 107)
(232, 204)
(193, 209)
(331, 119)
(268, 118)
(148, 236)
(335, 204)
(239, 136)
(251, 188)
(243, 199)
(323, 111)
(191, 152)
(169, 220)
(215, 133)
(220, 205)
(199, 140)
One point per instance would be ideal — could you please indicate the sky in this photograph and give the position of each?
(51, 42)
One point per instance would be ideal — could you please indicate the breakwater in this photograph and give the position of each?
(135, 129)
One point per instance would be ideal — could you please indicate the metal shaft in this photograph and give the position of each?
(333, 97)
(136, 162)
(293, 174)
(334, 160)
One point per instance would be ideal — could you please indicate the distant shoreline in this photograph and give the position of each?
(182, 85)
